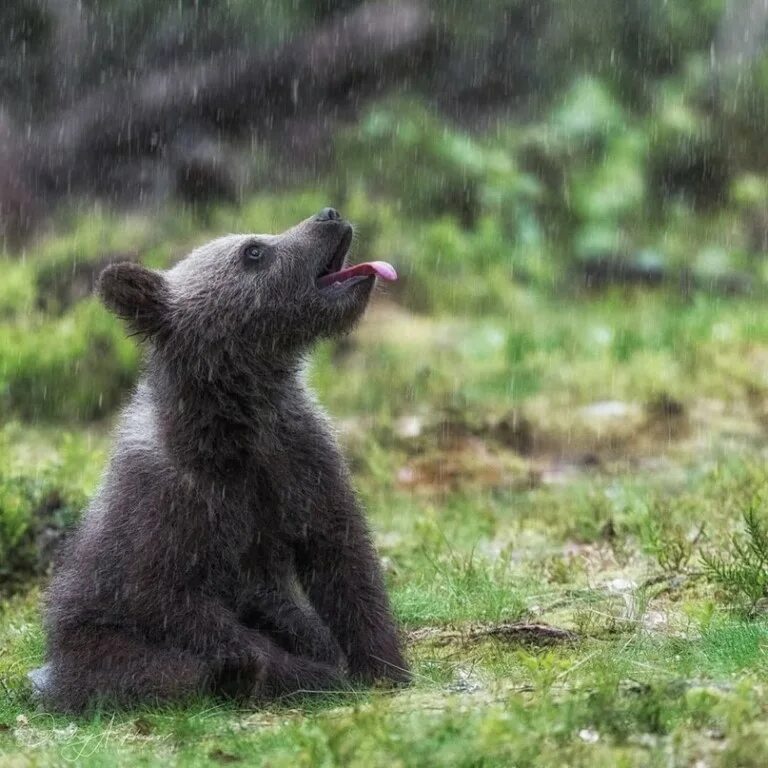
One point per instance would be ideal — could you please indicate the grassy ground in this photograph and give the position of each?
(567, 487)
(549, 488)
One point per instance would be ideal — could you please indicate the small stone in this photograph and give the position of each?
(409, 427)
(589, 735)
(621, 585)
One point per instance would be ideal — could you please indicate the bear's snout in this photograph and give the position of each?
(328, 214)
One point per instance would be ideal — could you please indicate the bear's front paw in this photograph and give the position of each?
(292, 674)
(328, 651)
(320, 646)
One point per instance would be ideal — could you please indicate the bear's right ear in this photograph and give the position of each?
(137, 294)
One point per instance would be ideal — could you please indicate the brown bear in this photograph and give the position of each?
(225, 552)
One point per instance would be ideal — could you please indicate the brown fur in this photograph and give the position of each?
(225, 551)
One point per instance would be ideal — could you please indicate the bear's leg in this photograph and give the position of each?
(340, 573)
(286, 674)
(104, 666)
(296, 628)
(97, 665)
(250, 661)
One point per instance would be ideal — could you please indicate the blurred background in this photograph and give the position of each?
(558, 414)
(574, 195)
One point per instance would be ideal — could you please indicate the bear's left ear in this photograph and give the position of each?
(137, 294)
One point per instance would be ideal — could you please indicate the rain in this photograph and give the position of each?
(383, 382)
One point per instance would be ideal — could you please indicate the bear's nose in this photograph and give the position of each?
(328, 214)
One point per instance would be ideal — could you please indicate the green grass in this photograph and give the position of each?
(626, 698)
(661, 668)
(527, 454)
(529, 451)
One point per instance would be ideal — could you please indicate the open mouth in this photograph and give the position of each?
(334, 274)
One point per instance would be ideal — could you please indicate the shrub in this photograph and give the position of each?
(742, 572)
(78, 366)
(41, 495)
(404, 153)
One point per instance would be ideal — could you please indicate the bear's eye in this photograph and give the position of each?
(253, 252)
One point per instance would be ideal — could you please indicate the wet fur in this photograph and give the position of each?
(225, 551)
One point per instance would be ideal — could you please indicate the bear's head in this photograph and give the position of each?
(248, 296)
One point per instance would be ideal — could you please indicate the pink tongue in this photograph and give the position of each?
(379, 268)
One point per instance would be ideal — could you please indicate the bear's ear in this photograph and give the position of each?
(137, 294)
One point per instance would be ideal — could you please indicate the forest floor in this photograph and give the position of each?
(570, 504)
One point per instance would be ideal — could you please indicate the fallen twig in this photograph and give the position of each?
(520, 633)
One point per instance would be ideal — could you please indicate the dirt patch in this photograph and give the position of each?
(521, 633)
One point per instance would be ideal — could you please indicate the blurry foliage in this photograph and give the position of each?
(79, 367)
(622, 156)
(622, 149)
(741, 571)
(44, 40)
(405, 152)
(37, 508)
(672, 547)
(596, 134)
(30, 508)
(17, 289)
(25, 51)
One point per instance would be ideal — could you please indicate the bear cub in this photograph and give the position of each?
(225, 552)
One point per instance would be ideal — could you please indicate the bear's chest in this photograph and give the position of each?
(287, 486)
(267, 512)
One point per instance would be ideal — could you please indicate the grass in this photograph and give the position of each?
(661, 669)
(530, 452)
(528, 455)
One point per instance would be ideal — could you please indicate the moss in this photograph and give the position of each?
(76, 367)
(17, 289)
(43, 487)
(428, 168)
